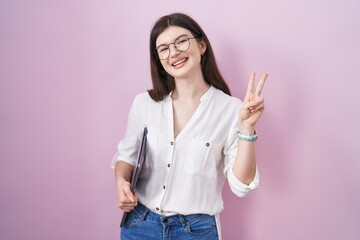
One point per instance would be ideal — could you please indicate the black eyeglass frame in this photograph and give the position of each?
(168, 45)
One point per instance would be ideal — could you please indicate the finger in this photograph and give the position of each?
(125, 202)
(260, 85)
(253, 103)
(250, 97)
(126, 206)
(127, 209)
(129, 194)
(259, 108)
(250, 87)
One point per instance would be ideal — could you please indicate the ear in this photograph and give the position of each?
(202, 47)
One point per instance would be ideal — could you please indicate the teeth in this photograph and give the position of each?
(178, 62)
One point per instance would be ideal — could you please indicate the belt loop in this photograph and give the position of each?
(183, 221)
(144, 212)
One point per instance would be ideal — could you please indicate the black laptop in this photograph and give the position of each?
(138, 167)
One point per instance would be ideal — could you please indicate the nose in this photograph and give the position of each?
(173, 50)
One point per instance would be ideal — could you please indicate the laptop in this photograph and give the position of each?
(138, 167)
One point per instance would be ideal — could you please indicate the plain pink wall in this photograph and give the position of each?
(70, 69)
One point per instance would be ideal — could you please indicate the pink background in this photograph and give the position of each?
(70, 69)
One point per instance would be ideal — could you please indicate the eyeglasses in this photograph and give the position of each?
(181, 44)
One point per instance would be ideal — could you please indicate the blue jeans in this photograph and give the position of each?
(141, 223)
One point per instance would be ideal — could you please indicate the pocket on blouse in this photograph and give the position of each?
(200, 158)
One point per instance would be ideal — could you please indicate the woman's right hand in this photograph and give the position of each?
(127, 199)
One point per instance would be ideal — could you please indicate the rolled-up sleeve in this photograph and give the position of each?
(239, 188)
(127, 149)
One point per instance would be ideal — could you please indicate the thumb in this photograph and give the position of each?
(129, 194)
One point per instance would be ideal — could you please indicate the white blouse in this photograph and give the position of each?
(185, 174)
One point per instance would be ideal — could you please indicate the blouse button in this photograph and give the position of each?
(208, 144)
(172, 143)
(169, 165)
(164, 187)
(157, 209)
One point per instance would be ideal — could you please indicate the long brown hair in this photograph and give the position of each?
(164, 83)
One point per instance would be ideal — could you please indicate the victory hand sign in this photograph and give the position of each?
(253, 105)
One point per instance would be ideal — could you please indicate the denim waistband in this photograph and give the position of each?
(184, 220)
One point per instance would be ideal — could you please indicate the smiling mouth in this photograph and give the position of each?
(179, 62)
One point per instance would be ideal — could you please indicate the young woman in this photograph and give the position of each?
(197, 136)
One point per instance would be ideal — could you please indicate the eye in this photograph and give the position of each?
(181, 41)
(163, 49)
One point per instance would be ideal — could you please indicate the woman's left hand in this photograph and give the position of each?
(253, 105)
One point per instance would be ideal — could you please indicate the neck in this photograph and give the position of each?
(190, 89)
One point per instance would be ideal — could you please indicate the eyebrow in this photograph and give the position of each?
(164, 44)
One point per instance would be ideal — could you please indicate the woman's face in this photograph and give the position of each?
(183, 51)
